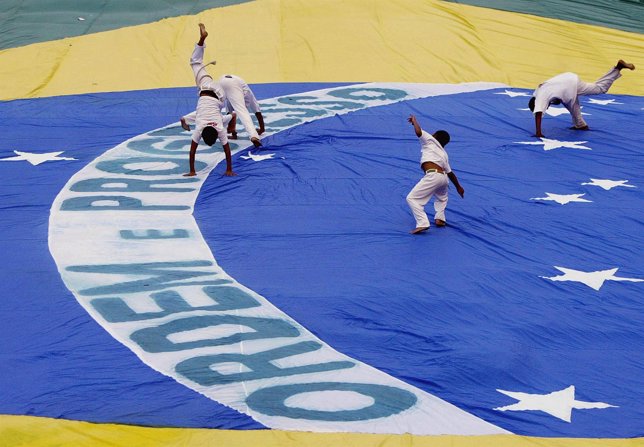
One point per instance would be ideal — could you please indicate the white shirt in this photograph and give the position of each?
(431, 150)
(208, 113)
(562, 86)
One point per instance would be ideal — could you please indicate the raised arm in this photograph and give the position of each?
(414, 122)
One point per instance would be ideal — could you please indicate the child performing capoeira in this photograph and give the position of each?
(435, 164)
(209, 121)
(565, 89)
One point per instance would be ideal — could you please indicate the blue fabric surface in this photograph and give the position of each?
(321, 230)
(56, 360)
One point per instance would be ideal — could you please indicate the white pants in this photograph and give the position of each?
(233, 86)
(432, 184)
(594, 88)
(202, 78)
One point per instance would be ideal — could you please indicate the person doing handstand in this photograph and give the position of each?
(209, 122)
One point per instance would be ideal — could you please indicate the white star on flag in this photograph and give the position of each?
(603, 102)
(608, 184)
(256, 157)
(36, 159)
(556, 111)
(558, 403)
(511, 94)
(562, 199)
(549, 144)
(594, 280)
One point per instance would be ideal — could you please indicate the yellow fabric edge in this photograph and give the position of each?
(269, 41)
(32, 431)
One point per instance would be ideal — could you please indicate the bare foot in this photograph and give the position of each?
(623, 64)
(184, 124)
(440, 222)
(233, 136)
(256, 142)
(230, 174)
(419, 230)
(190, 174)
(580, 128)
(260, 130)
(202, 31)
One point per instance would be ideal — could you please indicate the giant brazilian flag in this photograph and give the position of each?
(289, 305)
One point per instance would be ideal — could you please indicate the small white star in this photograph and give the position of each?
(36, 159)
(594, 280)
(257, 157)
(603, 102)
(549, 144)
(558, 403)
(608, 184)
(562, 199)
(512, 94)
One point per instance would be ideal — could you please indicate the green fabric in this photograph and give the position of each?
(626, 15)
(23, 22)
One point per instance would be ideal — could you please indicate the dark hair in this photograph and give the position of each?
(209, 135)
(442, 136)
(531, 104)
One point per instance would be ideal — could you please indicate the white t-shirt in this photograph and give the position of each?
(191, 118)
(562, 86)
(208, 113)
(431, 150)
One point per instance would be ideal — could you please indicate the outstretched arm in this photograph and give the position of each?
(454, 180)
(537, 124)
(229, 161)
(193, 151)
(260, 120)
(414, 122)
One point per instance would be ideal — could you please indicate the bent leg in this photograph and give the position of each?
(440, 201)
(577, 120)
(600, 86)
(417, 199)
(235, 95)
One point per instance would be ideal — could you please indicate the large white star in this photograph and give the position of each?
(556, 111)
(549, 144)
(558, 403)
(511, 94)
(562, 199)
(608, 184)
(594, 280)
(257, 157)
(603, 102)
(36, 159)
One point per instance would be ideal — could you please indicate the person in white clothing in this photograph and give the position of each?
(228, 122)
(565, 89)
(240, 98)
(435, 164)
(209, 123)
